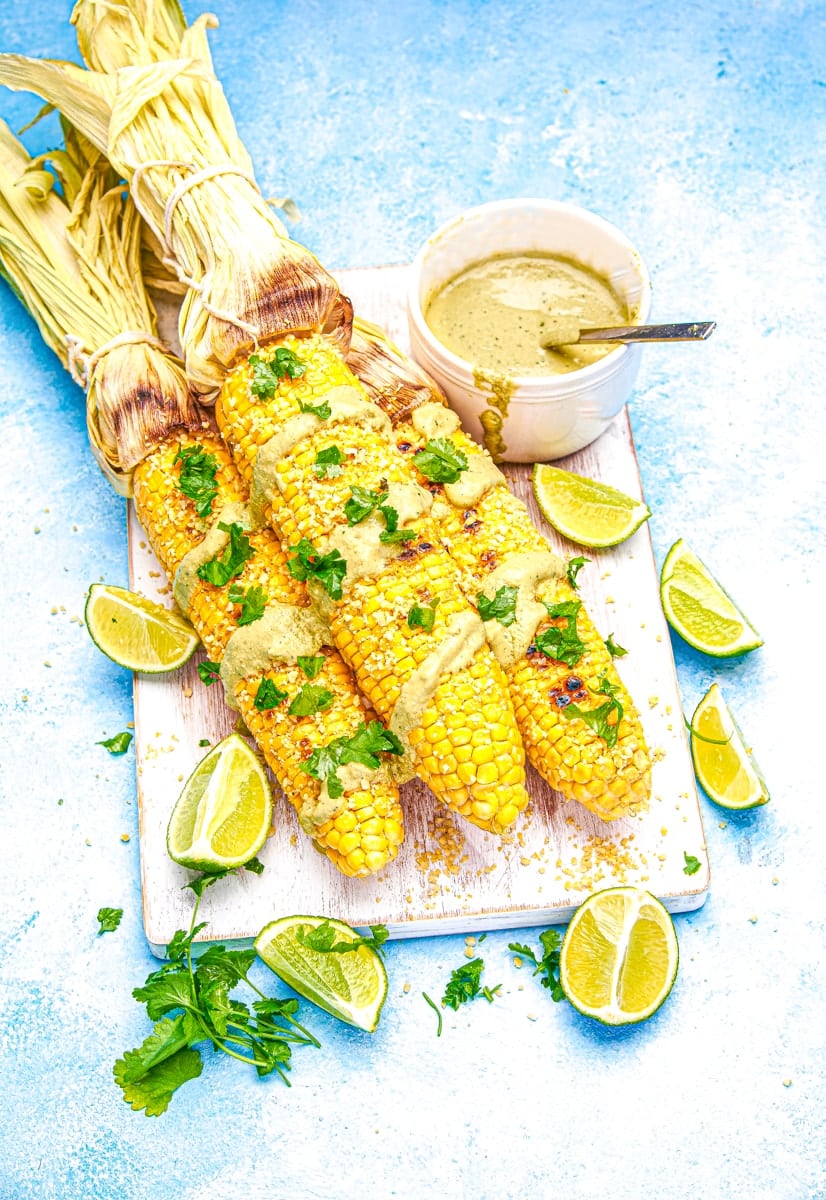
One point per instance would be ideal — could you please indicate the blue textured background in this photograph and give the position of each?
(699, 130)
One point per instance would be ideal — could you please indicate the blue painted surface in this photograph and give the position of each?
(698, 129)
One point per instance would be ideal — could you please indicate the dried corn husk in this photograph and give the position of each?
(151, 103)
(74, 261)
(394, 381)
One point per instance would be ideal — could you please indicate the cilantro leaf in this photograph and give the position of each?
(574, 567)
(322, 410)
(423, 617)
(268, 373)
(501, 608)
(197, 477)
(268, 695)
(109, 919)
(310, 699)
(220, 570)
(118, 744)
(311, 665)
(613, 648)
(253, 601)
(441, 461)
(150, 1075)
(562, 642)
(364, 747)
(361, 504)
(328, 462)
(465, 985)
(599, 719)
(548, 965)
(209, 672)
(692, 864)
(329, 569)
(322, 939)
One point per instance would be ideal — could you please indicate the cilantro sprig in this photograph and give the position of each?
(465, 985)
(548, 964)
(441, 461)
(322, 410)
(363, 501)
(322, 939)
(310, 699)
(329, 569)
(599, 719)
(327, 464)
(573, 569)
(118, 744)
(268, 696)
(253, 601)
(501, 608)
(311, 664)
(268, 373)
(422, 616)
(562, 642)
(209, 672)
(614, 648)
(226, 566)
(692, 864)
(364, 747)
(197, 477)
(108, 919)
(190, 1001)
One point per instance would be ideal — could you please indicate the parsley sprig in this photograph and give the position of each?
(329, 569)
(441, 461)
(363, 501)
(599, 719)
(562, 642)
(197, 477)
(465, 985)
(501, 608)
(190, 1000)
(364, 747)
(253, 601)
(548, 965)
(226, 566)
(268, 373)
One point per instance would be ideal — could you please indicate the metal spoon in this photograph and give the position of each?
(567, 331)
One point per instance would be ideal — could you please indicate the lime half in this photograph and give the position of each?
(223, 815)
(619, 956)
(137, 633)
(698, 608)
(351, 985)
(584, 510)
(724, 765)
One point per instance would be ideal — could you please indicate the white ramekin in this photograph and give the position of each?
(547, 416)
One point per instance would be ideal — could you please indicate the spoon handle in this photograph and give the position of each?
(687, 331)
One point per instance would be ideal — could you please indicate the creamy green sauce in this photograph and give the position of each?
(361, 545)
(525, 572)
(284, 633)
(474, 483)
(491, 313)
(186, 576)
(433, 420)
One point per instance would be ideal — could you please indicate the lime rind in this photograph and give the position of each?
(758, 795)
(586, 511)
(699, 602)
(355, 996)
(594, 932)
(154, 629)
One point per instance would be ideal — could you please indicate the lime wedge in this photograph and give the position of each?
(724, 765)
(137, 633)
(698, 608)
(586, 511)
(351, 985)
(223, 815)
(619, 956)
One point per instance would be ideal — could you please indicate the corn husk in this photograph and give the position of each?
(149, 100)
(394, 381)
(74, 262)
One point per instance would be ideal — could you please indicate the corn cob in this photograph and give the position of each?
(461, 732)
(364, 831)
(605, 767)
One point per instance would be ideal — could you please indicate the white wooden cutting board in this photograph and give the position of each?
(449, 877)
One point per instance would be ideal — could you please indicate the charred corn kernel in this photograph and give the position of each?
(174, 528)
(369, 623)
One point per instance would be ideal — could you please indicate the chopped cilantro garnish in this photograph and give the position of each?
(363, 502)
(574, 567)
(562, 642)
(614, 648)
(253, 601)
(322, 939)
(208, 672)
(197, 477)
(692, 864)
(329, 569)
(268, 696)
(364, 747)
(423, 616)
(548, 965)
(322, 410)
(441, 461)
(268, 373)
(221, 569)
(464, 985)
(108, 919)
(328, 463)
(118, 744)
(310, 699)
(502, 607)
(311, 664)
(599, 718)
